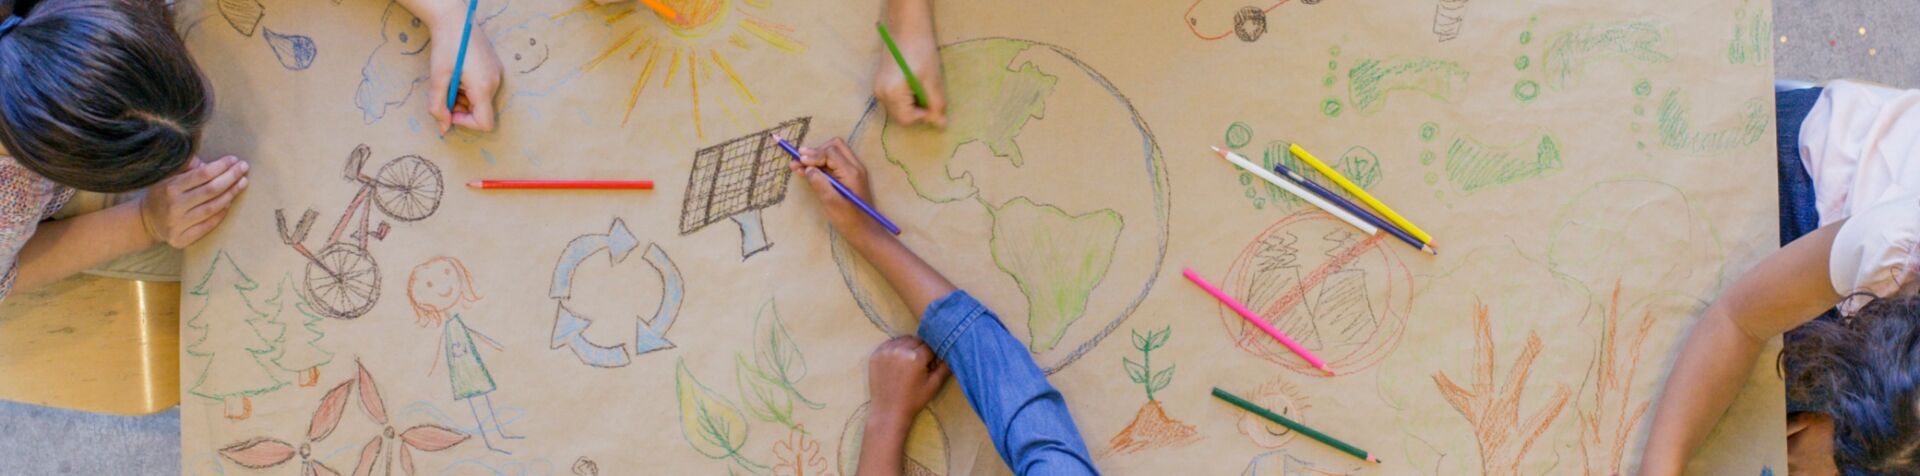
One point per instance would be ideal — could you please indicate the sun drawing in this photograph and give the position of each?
(698, 43)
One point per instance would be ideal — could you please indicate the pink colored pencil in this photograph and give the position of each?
(1257, 321)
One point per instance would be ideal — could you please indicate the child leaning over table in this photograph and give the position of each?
(102, 96)
(1849, 165)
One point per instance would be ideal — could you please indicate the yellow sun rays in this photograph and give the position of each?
(673, 41)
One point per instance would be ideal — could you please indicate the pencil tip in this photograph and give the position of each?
(1373, 459)
(473, 184)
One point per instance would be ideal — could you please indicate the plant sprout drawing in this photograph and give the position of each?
(1151, 427)
(738, 178)
(1504, 437)
(380, 452)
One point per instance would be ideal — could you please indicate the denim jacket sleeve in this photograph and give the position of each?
(1026, 417)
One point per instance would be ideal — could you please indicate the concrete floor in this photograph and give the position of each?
(1823, 42)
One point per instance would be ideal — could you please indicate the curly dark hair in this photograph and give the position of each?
(99, 95)
(1864, 370)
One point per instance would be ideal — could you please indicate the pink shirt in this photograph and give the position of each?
(26, 199)
(1861, 145)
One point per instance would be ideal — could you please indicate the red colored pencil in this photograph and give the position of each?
(563, 184)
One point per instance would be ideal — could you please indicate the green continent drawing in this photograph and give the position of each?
(1056, 258)
(1050, 190)
(1000, 102)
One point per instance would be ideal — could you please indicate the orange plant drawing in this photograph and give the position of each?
(1607, 428)
(799, 456)
(1504, 438)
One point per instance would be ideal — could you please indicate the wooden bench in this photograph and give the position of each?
(93, 344)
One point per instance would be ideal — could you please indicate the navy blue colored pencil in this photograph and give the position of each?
(1323, 192)
(884, 222)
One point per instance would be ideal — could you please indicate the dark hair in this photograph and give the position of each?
(99, 95)
(1864, 370)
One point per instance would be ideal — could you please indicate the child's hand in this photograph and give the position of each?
(902, 376)
(185, 207)
(837, 159)
(479, 78)
(911, 23)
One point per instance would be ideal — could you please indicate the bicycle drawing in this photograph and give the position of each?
(342, 279)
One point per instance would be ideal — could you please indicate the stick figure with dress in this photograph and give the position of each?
(438, 289)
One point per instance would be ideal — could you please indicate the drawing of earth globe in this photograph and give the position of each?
(1045, 197)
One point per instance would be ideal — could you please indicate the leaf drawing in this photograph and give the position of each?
(1503, 437)
(778, 356)
(258, 453)
(710, 424)
(763, 397)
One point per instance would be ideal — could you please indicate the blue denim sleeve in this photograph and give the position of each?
(1026, 417)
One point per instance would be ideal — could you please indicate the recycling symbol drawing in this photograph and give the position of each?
(650, 334)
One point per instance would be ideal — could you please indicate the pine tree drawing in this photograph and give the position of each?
(230, 339)
(298, 344)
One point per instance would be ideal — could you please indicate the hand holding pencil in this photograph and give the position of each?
(821, 167)
(907, 81)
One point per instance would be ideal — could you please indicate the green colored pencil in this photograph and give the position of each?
(1296, 426)
(919, 93)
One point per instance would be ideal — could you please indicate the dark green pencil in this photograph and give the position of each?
(919, 93)
(1296, 426)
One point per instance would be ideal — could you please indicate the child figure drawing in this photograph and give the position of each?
(438, 289)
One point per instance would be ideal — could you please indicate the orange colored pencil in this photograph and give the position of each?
(662, 9)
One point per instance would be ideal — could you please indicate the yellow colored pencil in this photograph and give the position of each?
(1360, 193)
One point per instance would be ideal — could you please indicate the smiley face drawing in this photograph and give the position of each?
(397, 65)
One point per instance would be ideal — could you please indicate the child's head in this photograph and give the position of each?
(1867, 371)
(99, 95)
(436, 287)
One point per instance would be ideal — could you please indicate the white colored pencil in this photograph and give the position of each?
(1297, 191)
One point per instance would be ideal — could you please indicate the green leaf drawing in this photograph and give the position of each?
(1156, 339)
(1135, 371)
(1057, 258)
(778, 356)
(762, 395)
(1139, 341)
(1160, 380)
(710, 424)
